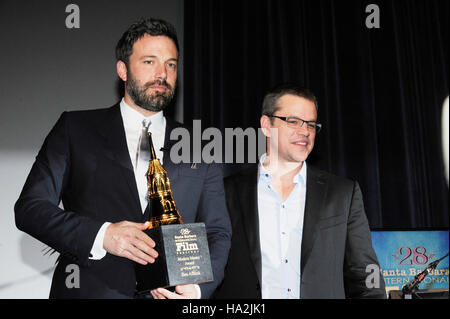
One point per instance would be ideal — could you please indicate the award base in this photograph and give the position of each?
(183, 258)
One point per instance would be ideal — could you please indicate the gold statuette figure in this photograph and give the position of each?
(163, 210)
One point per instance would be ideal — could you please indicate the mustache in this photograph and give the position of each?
(158, 82)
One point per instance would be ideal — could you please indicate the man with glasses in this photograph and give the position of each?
(298, 232)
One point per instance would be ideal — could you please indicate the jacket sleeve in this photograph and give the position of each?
(213, 212)
(359, 254)
(37, 212)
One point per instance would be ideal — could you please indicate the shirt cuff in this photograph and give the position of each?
(199, 291)
(97, 251)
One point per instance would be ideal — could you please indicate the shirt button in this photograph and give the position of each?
(286, 261)
(289, 289)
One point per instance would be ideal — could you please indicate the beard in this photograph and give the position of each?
(156, 101)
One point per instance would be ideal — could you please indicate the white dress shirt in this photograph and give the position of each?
(280, 230)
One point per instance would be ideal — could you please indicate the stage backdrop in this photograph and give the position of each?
(50, 63)
(380, 88)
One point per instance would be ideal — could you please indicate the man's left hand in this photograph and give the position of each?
(181, 292)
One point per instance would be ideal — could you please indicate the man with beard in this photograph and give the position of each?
(95, 162)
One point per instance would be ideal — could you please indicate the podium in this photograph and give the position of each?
(420, 294)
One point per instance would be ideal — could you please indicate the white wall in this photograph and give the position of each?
(24, 270)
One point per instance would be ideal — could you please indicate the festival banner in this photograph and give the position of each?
(404, 254)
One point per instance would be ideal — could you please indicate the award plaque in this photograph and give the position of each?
(183, 257)
(183, 253)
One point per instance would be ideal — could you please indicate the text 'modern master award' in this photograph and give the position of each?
(183, 253)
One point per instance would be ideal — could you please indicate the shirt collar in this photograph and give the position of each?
(264, 173)
(132, 118)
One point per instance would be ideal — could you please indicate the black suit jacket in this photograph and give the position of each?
(336, 245)
(85, 162)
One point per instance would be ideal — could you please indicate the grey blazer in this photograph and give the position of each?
(336, 245)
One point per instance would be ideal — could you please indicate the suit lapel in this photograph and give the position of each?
(249, 208)
(114, 133)
(315, 193)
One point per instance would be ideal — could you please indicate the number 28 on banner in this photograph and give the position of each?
(417, 256)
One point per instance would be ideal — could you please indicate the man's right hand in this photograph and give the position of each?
(127, 239)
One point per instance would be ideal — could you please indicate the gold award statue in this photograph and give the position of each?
(162, 206)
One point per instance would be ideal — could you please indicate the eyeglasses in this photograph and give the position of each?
(295, 122)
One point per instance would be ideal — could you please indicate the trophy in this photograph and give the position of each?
(183, 253)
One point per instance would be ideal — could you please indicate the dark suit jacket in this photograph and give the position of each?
(336, 245)
(85, 162)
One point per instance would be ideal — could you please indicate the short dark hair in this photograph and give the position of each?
(137, 30)
(270, 103)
